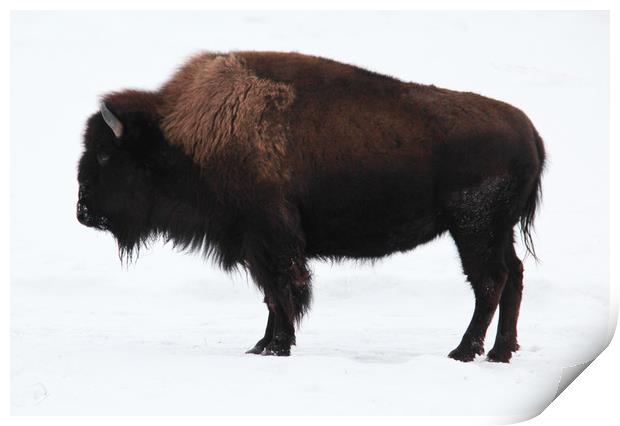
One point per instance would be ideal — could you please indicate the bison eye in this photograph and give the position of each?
(102, 158)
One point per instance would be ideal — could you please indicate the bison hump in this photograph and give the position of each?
(214, 107)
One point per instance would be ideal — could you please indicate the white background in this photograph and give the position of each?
(168, 334)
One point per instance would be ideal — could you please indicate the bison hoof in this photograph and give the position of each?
(467, 353)
(502, 351)
(280, 345)
(259, 347)
(499, 355)
(272, 350)
(256, 350)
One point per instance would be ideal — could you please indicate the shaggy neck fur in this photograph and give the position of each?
(183, 211)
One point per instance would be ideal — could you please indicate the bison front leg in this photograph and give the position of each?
(260, 346)
(283, 332)
(287, 295)
(278, 266)
(279, 333)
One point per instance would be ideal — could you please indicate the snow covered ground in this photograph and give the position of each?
(167, 335)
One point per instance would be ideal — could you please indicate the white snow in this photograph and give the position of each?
(168, 334)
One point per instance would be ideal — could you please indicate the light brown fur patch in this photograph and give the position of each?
(214, 106)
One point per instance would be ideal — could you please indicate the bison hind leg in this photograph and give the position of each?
(510, 302)
(481, 223)
(483, 264)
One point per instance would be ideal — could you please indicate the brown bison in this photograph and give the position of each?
(264, 160)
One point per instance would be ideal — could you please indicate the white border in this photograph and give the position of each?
(589, 399)
(310, 5)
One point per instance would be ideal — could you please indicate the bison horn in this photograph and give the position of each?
(112, 121)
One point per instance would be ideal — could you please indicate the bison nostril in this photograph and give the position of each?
(82, 212)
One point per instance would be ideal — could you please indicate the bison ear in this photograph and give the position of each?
(112, 121)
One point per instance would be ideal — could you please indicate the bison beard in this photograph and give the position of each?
(264, 160)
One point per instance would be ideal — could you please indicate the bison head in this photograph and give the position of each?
(117, 188)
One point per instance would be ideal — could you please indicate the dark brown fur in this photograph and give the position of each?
(268, 159)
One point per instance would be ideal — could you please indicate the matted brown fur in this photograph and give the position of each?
(214, 106)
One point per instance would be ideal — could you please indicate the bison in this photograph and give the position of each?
(264, 160)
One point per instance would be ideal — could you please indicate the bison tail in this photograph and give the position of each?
(533, 200)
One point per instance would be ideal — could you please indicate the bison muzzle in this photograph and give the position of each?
(265, 160)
